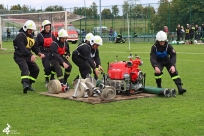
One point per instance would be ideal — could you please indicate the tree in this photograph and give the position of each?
(106, 13)
(125, 7)
(94, 10)
(16, 7)
(2, 6)
(54, 8)
(137, 11)
(115, 10)
(25, 8)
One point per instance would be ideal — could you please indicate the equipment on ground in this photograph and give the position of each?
(160, 91)
(125, 76)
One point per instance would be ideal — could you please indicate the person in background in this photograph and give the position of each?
(182, 33)
(111, 34)
(163, 55)
(23, 44)
(187, 31)
(115, 35)
(8, 32)
(44, 40)
(192, 32)
(178, 31)
(60, 57)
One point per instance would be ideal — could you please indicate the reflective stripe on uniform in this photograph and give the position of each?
(31, 78)
(60, 77)
(23, 77)
(158, 77)
(52, 72)
(175, 77)
(67, 73)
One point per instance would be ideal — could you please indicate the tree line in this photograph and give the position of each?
(169, 12)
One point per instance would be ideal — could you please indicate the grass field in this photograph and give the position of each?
(35, 115)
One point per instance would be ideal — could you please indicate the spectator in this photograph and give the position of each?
(182, 33)
(115, 35)
(187, 30)
(8, 32)
(178, 30)
(110, 34)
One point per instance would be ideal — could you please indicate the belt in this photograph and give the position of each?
(45, 49)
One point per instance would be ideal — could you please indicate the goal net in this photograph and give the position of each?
(15, 21)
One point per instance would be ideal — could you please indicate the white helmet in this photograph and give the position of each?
(89, 36)
(44, 23)
(62, 33)
(96, 40)
(161, 36)
(29, 24)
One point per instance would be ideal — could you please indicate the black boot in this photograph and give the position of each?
(46, 80)
(30, 87)
(52, 77)
(158, 81)
(180, 89)
(25, 87)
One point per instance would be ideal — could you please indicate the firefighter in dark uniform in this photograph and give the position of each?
(23, 44)
(44, 40)
(187, 31)
(192, 32)
(87, 55)
(60, 56)
(163, 55)
(178, 31)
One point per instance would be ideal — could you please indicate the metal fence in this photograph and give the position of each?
(140, 21)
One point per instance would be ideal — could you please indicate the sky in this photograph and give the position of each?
(42, 4)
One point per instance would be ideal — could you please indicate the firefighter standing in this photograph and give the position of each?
(87, 55)
(187, 31)
(178, 31)
(192, 32)
(44, 40)
(23, 44)
(8, 32)
(163, 55)
(60, 56)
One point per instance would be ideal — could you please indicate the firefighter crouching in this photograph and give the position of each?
(44, 40)
(23, 44)
(86, 56)
(60, 56)
(163, 55)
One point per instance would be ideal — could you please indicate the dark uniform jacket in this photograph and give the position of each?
(43, 37)
(24, 43)
(56, 50)
(162, 54)
(89, 54)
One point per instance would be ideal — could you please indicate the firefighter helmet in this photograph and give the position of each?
(62, 33)
(96, 40)
(44, 23)
(89, 36)
(29, 24)
(161, 36)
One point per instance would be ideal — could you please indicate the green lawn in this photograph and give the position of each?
(38, 115)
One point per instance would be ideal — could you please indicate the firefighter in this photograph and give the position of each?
(187, 31)
(163, 55)
(87, 55)
(44, 40)
(86, 39)
(23, 44)
(60, 56)
(192, 32)
(178, 31)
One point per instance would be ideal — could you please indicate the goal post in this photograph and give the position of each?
(16, 21)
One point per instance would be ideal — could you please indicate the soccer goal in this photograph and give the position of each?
(14, 22)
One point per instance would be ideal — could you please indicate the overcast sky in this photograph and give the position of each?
(38, 4)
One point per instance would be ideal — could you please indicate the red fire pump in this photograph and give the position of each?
(125, 76)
